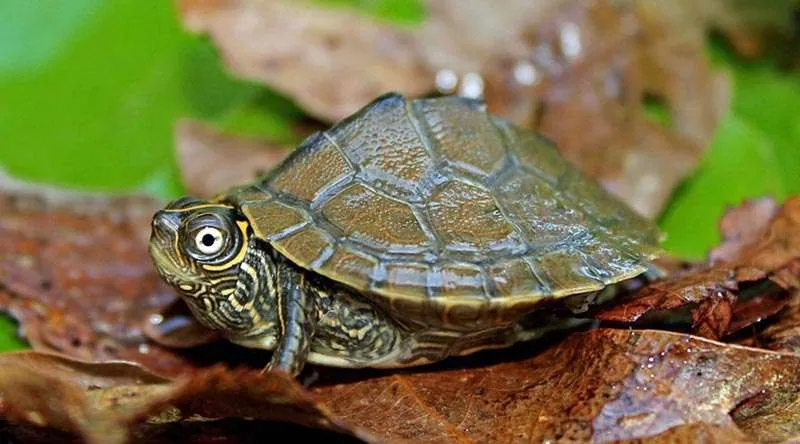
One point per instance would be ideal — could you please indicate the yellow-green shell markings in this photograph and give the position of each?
(435, 201)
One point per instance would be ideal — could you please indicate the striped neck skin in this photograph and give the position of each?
(205, 251)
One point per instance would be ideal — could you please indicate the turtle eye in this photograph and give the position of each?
(209, 240)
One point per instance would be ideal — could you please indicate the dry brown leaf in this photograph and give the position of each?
(784, 333)
(577, 71)
(334, 61)
(604, 384)
(600, 385)
(224, 431)
(780, 332)
(591, 102)
(743, 225)
(695, 433)
(211, 161)
(750, 26)
(762, 242)
(92, 400)
(759, 304)
(75, 272)
(102, 401)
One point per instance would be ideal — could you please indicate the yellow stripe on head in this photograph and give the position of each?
(196, 207)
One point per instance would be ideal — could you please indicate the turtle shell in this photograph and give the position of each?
(436, 199)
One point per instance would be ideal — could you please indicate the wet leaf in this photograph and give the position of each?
(760, 304)
(600, 385)
(89, 399)
(554, 66)
(780, 332)
(211, 161)
(75, 272)
(743, 225)
(623, 63)
(103, 401)
(762, 242)
(603, 384)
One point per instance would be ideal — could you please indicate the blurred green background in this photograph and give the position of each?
(90, 90)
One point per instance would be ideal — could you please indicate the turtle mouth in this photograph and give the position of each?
(164, 264)
(168, 269)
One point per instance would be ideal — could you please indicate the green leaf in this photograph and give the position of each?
(265, 115)
(8, 336)
(54, 31)
(756, 152)
(399, 12)
(98, 111)
(741, 164)
(91, 91)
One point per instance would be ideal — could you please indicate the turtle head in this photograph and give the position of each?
(197, 247)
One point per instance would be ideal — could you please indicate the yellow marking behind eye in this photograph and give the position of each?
(186, 287)
(196, 207)
(239, 257)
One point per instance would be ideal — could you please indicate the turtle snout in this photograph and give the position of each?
(162, 238)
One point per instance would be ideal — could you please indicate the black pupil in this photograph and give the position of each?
(208, 240)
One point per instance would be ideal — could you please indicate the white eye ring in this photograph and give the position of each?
(202, 237)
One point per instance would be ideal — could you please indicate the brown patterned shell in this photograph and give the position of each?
(436, 199)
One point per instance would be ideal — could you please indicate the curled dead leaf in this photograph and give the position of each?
(779, 332)
(743, 225)
(108, 402)
(759, 259)
(88, 399)
(601, 385)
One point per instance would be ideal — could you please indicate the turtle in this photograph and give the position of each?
(413, 230)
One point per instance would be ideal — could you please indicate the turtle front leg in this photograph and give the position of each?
(297, 321)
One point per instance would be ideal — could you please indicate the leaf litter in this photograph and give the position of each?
(201, 150)
(75, 272)
(758, 261)
(550, 65)
(116, 356)
(600, 384)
